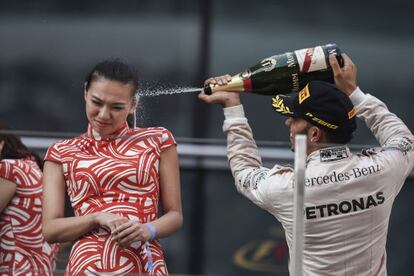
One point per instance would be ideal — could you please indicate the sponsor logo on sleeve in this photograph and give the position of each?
(253, 178)
(404, 144)
(246, 182)
(258, 176)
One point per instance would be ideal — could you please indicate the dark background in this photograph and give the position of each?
(47, 47)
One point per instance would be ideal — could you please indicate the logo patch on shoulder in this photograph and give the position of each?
(333, 154)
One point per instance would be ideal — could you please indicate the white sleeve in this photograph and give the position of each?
(392, 134)
(245, 163)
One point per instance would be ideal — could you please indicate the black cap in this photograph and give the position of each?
(321, 104)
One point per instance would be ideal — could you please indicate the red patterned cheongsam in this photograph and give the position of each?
(23, 250)
(119, 175)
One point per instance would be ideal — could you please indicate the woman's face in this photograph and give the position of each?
(108, 104)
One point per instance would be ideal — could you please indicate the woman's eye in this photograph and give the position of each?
(117, 108)
(96, 103)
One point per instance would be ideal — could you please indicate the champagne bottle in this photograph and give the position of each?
(284, 73)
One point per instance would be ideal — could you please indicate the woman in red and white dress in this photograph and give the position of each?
(115, 177)
(23, 250)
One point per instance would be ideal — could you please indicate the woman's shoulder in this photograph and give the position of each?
(160, 134)
(61, 148)
(13, 162)
(7, 163)
(68, 141)
(150, 130)
(11, 166)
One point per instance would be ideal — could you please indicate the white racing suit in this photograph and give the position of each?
(348, 198)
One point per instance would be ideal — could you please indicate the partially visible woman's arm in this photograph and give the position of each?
(7, 191)
(57, 227)
(7, 188)
(172, 217)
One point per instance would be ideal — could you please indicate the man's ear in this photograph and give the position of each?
(315, 134)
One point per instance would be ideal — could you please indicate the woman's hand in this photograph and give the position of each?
(109, 221)
(131, 231)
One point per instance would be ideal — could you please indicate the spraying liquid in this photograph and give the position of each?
(152, 89)
(156, 89)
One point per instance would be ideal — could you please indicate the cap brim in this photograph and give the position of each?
(283, 104)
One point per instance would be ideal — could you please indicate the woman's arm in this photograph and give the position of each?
(172, 219)
(7, 191)
(57, 227)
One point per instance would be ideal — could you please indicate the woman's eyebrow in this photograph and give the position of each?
(96, 98)
(101, 101)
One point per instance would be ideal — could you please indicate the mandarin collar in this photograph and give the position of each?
(329, 154)
(118, 133)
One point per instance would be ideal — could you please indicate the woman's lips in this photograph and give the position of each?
(101, 124)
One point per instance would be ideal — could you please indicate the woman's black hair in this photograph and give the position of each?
(115, 70)
(15, 149)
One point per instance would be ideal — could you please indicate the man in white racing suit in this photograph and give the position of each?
(348, 197)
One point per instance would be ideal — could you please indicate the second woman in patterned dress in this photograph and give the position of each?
(23, 250)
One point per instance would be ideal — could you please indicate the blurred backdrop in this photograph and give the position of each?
(47, 47)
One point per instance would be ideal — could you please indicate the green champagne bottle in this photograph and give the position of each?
(284, 73)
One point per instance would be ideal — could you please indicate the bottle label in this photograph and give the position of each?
(268, 64)
(311, 59)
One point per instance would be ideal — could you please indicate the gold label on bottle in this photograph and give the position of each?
(311, 59)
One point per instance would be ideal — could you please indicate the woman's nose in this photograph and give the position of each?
(104, 113)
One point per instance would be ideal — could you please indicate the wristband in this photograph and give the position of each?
(152, 230)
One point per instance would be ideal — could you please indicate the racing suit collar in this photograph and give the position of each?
(329, 154)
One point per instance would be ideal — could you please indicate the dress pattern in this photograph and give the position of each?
(23, 250)
(120, 175)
